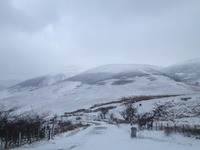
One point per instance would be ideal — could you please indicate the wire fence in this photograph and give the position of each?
(186, 130)
(14, 139)
(17, 139)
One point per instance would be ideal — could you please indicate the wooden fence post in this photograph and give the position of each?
(53, 128)
(45, 132)
(156, 125)
(19, 139)
(30, 137)
(175, 128)
(49, 134)
(6, 140)
(167, 128)
(38, 133)
(2, 146)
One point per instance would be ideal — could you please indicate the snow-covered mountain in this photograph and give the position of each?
(100, 84)
(97, 88)
(120, 73)
(187, 72)
(4, 84)
(42, 81)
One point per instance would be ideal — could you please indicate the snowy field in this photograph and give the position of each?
(103, 136)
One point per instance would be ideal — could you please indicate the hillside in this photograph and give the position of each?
(101, 95)
(101, 84)
(109, 133)
(187, 72)
(4, 84)
(121, 73)
(46, 80)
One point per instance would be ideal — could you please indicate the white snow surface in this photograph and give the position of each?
(103, 136)
(68, 71)
(72, 95)
(118, 68)
(187, 62)
(69, 96)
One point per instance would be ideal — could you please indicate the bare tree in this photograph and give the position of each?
(145, 119)
(129, 113)
(104, 111)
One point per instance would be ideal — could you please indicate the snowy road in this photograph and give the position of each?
(110, 137)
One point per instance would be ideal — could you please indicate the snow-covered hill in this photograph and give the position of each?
(42, 81)
(120, 73)
(101, 84)
(99, 87)
(4, 84)
(187, 72)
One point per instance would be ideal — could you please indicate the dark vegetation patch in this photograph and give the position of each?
(104, 108)
(91, 78)
(99, 78)
(28, 126)
(133, 99)
(132, 74)
(75, 112)
(122, 82)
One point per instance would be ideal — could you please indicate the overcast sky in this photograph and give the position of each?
(38, 36)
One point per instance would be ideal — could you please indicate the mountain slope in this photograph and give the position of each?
(97, 85)
(46, 80)
(187, 72)
(4, 84)
(119, 72)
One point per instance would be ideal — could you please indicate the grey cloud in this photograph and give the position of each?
(18, 18)
(37, 36)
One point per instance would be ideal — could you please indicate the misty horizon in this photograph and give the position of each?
(79, 69)
(39, 37)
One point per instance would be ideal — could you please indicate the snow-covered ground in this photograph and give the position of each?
(71, 95)
(101, 84)
(118, 68)
(100, 135)
(104, 136)
(107, 84)
(180, 111)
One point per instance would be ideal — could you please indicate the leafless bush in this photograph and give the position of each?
(12, 124)
(104, 111)
(129, 113)
(159, 111)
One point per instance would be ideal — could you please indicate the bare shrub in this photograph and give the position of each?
(129, 113)
(13, 123)
(159, 111)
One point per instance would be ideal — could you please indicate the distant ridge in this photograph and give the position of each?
(106, 83)
(187, 72)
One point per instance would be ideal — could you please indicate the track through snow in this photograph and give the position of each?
(110, 137)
